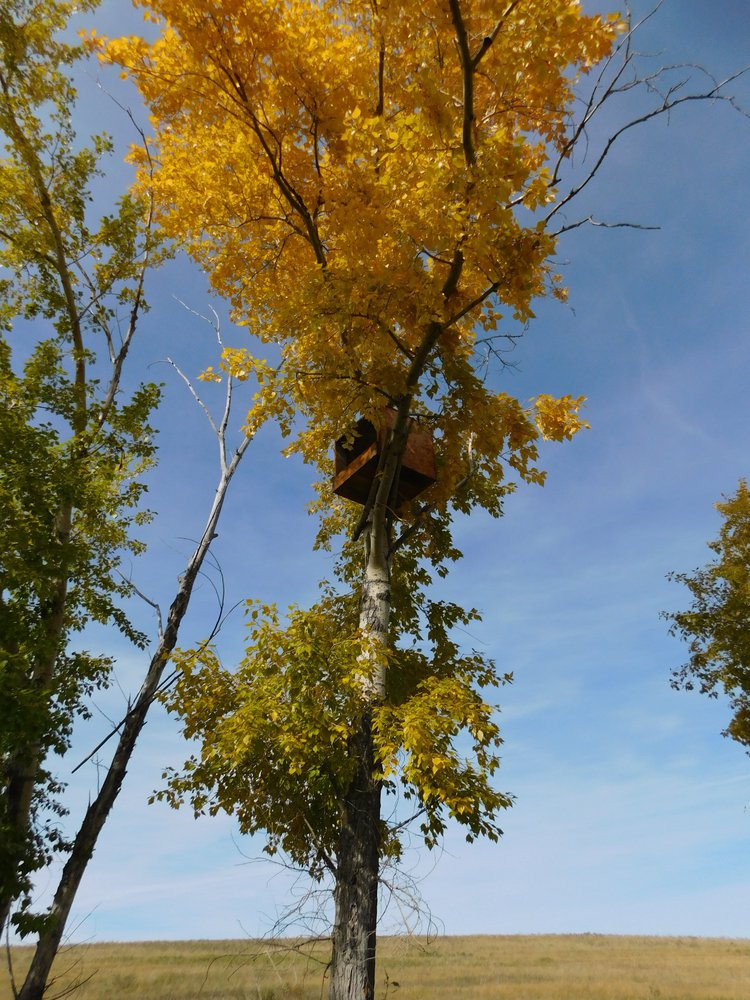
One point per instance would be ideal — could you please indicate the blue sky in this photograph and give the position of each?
(631, 811)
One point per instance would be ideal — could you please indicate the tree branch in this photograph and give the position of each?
(292, 197)
(591, 221)
(669, 103)
(421, 516)
(467, 74)
(322, 853)
(489, 39)
(194, 394)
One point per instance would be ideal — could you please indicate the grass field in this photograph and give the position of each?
(575, 967)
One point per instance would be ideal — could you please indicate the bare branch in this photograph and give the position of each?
(103, 742)
(130, 728)
(399, 343)
(323, 854)
(591, 221)
(670, 100)
(381, 79)
(151, 604)
(407, 822)
(595, 100)
(221, 430)
(195, 395)
(471, 306)
(454, 275)
(266, 137)
(422, 514)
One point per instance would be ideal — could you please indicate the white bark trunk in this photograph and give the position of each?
(358, 856)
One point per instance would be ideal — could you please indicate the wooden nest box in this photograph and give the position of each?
(356, 461)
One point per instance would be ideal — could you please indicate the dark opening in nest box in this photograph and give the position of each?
(356, 461)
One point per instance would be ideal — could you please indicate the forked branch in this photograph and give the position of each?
(618, 76)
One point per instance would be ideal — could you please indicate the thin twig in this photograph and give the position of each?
(147, 600)
(421, 516)
(669, 103)
(591, 221)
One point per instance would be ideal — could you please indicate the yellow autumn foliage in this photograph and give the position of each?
(363, 181)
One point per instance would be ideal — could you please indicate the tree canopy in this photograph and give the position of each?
(74, 445)
(366, 184)
(369, 184)
(716, 625)
(275, 730)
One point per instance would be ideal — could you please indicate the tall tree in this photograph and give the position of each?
(74, 446)
(377, 188)
(716, 626)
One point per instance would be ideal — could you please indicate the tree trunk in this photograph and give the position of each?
(358, 858)
(21, 772)
(356, 897)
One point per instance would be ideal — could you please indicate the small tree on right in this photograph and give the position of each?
(716, 626)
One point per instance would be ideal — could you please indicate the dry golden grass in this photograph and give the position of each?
(561, 967)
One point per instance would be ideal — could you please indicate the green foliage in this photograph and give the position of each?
(277, 735)
(273, 733)
(74, 446)
(716, 626)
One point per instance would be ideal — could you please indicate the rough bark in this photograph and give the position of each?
(356, 897)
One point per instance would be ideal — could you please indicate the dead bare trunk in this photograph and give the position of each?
(84, 844)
